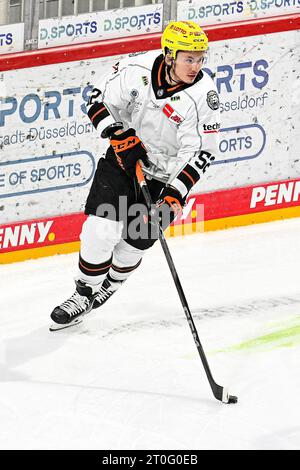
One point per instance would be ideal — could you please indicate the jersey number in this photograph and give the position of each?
(93, 96)
(205, 159)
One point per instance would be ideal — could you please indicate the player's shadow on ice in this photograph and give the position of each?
(18, 350)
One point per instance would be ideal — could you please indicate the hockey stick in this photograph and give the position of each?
(219, 392)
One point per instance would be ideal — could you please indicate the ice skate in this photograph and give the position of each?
(107, 289)
(84, 299)
(71, 311)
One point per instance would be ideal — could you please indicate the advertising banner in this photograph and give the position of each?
(100, 25)
(203, 212)
(211, 12)
(11, 38)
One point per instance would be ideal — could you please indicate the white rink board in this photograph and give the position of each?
(100, 25)
(11, 38)
(211, 12)
(47, 163)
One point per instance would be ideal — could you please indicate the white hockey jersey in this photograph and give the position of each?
(178, 124)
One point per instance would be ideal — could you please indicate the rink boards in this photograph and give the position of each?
(203, 212)
(49, 150)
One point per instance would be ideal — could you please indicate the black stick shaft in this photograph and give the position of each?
(219, 392)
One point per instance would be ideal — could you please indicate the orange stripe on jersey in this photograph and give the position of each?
(98, 112)
(189, 176)
(174, 87)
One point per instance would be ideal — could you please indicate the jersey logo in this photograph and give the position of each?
(145, 80)
(213, 100)
(134, 94)
(211, 128)
(172, 115)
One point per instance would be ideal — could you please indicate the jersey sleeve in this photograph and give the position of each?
(109, 98)
(198, 136)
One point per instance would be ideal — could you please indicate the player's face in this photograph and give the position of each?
(188, 65)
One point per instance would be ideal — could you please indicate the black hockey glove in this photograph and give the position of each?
(172, 198)
(129, 149)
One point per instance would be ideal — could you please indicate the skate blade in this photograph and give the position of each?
(57, 326)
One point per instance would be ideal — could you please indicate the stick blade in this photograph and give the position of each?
(232, 399)
(226, 398)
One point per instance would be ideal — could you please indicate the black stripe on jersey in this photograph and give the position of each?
(97, 113)
(94, 269)
(126, 269)
(188, 176)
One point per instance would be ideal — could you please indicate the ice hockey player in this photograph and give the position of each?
(163, 110)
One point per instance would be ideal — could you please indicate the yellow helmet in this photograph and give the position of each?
(183, 36)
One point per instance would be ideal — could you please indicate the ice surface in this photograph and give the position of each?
(129, 377)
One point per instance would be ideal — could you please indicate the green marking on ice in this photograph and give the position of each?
(286, 337)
